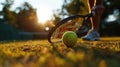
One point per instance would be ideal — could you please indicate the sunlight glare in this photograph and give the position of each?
(47, 28)
(43, 16)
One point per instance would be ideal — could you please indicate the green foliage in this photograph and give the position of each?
(8, 15)
(26, 6)
(12, 22)
(74, 7)
(27, 18)
(8, 23)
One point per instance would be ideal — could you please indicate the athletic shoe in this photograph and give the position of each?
(92, 35)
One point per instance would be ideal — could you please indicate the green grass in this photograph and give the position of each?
(40, 53)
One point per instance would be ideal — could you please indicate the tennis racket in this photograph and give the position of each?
(72, 23)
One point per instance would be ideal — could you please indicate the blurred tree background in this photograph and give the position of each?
(8, 22)
(24, 18)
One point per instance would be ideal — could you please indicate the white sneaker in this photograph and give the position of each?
(92, 35)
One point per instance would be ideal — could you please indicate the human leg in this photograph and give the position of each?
(97, 7)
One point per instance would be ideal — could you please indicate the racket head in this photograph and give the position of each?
(71, 23)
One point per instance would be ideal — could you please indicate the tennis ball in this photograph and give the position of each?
(69, 38)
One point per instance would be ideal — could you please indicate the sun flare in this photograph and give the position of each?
(43, 16)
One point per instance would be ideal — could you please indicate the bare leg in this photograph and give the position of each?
(97, 6)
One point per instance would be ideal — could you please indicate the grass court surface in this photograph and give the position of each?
(40, 53)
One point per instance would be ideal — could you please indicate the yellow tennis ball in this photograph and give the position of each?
(69, 38)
